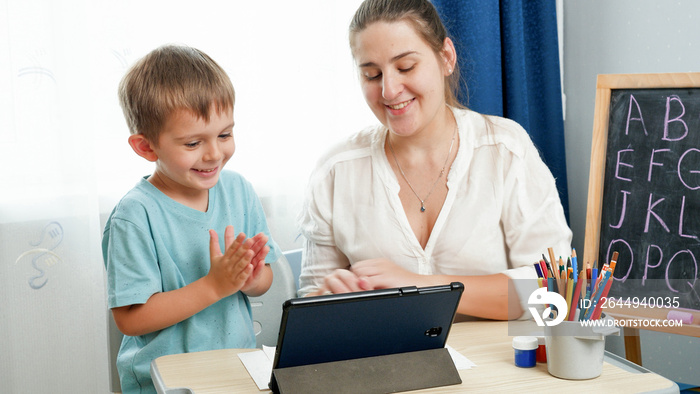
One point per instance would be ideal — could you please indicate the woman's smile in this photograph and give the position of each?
(400, 105)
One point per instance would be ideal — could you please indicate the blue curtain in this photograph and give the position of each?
(509, 60)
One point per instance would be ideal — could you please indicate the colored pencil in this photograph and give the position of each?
(575, 297)
(595, 298)
(599, 308)
(586, 291)
(550, 285)
(552, 266)
(538, 270)
(543, 266)
(583, 279)
(594, 277)
(569, 291)
(562, 277)
(547, 264)
(551, 255)
(588, 271)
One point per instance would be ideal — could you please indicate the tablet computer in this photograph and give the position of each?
(364, 324)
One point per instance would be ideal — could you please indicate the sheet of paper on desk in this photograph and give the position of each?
(458, 358)
(259, 364)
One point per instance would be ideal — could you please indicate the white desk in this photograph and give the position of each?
(485, 343)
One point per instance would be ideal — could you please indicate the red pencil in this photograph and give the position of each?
(598, 308)
(588, 272)
(544, 269)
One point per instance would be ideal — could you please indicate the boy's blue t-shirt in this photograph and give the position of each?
(153, 244)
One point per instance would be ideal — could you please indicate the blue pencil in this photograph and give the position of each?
(574, 263)
(538, 269)
(586, 297)
(594, 277)
(596, 297)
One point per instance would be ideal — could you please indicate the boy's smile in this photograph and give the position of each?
(190, 155)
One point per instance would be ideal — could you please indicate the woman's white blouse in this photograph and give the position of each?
(501, 213)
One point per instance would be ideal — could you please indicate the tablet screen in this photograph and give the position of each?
(365, 324)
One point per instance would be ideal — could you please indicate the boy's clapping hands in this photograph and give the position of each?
(241, 263)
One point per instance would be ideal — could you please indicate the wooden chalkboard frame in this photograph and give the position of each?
(606, 83)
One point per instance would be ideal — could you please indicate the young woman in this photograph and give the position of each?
(436, 193)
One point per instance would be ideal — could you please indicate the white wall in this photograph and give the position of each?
(621, 37)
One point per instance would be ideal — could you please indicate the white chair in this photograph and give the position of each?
(294, 259)
(114, 336)
(267, 309)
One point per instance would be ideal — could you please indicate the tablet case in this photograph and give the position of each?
(374, 341)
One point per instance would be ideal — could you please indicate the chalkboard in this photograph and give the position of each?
(644, 189)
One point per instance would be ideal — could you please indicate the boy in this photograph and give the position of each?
(170, 287)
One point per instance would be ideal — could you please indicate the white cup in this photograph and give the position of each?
(575, 351)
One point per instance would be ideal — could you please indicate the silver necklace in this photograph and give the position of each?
(442, 172)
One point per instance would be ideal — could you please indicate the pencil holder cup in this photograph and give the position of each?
(575, 351)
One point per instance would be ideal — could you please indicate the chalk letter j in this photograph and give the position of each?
(622, 211)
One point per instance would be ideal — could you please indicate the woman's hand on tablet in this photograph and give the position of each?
(344, 281)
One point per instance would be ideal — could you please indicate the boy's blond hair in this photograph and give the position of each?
(170, 78)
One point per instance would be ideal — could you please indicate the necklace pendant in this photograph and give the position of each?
(422, 208)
